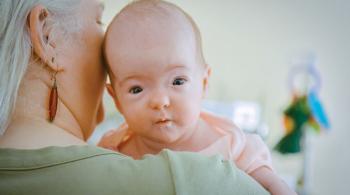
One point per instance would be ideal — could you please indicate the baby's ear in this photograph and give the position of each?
(110, 90)
(112, 93)
(206, 76)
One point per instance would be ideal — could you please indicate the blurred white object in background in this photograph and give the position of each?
(245, 114)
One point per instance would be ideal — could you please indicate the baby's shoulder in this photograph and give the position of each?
(112, 138)
(222, 124)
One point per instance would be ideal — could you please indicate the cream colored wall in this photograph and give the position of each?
(250, 45)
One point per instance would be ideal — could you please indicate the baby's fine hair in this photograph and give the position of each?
(144, 11)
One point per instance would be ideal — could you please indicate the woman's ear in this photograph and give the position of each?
(111, 92)
(206, 76)
(40, 33)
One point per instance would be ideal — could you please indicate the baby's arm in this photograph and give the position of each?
(271, 182)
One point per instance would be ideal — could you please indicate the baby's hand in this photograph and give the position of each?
(109, 139)
(271, 182)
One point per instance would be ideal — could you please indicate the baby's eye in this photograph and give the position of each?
(179, 81)
(135, 90)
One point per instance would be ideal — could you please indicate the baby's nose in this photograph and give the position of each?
(159, 100)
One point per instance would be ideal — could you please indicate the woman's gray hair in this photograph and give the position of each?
(15, 44)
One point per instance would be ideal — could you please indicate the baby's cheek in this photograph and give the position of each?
(132, 116)
(190, 113)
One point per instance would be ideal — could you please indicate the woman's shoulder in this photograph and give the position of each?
(50, 156)
(79, 170)
(93, 170)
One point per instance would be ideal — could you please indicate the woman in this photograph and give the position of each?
(52, 80)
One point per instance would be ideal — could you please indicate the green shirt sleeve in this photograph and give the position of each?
(91, 170)
(196, 174)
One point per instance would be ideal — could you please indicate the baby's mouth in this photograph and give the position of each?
(163, 121)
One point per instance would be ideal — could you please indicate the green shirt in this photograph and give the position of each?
(92, 170)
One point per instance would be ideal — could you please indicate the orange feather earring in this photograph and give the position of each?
(53, 98)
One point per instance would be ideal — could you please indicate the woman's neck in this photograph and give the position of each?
(34, 133)
(29, 127)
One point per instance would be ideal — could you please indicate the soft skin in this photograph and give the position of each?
(158, 85)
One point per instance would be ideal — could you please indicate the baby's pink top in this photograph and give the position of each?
(248, 151)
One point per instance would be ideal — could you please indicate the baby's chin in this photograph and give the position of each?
(164, 136)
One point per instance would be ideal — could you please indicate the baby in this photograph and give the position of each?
(158, 80)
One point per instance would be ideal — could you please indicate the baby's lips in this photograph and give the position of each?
(161, 121)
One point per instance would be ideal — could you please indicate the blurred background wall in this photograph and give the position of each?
(250, 46)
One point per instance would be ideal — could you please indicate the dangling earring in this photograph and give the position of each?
(53, 97)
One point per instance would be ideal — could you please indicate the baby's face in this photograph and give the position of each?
(158, 83)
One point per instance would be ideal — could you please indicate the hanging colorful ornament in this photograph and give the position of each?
(303, 113)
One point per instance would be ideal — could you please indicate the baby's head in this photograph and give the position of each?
(157, 70)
